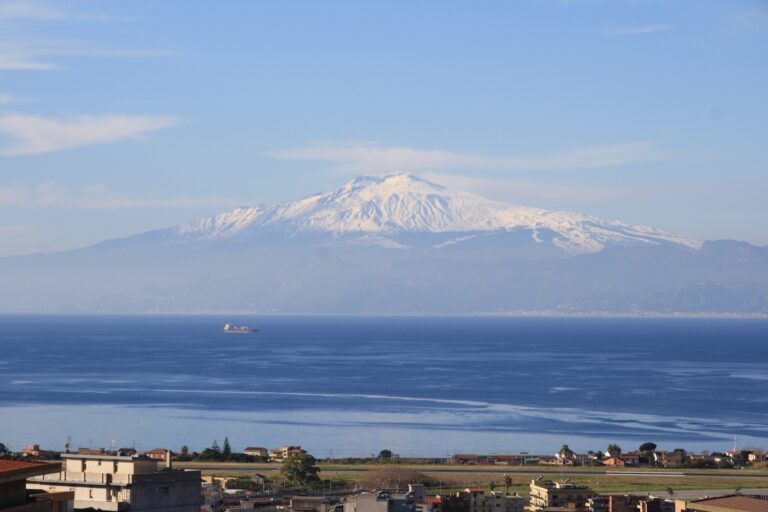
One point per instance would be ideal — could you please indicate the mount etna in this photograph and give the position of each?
(394, 245)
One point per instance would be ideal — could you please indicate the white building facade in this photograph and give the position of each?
(123, 483)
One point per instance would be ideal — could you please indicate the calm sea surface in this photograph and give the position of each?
(353, 386)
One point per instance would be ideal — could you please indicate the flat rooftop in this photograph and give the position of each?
(104, 456)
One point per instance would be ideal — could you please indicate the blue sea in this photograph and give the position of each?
(348, 386)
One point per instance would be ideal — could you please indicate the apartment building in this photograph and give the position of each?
(160, 454)
(256, 451)
(479, 501)
(123, 483)
(309, 504)
(553, 496)
(282, 453)
(624, 503)
(381, 501)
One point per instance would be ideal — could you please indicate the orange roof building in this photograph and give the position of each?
(13, 487)
(733, 503)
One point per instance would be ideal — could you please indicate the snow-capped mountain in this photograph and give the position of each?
(394, 245)
(401, 203)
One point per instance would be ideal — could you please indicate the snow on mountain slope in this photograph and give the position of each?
(401, 203)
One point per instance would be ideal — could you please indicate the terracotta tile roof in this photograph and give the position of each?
(16, 469)
(7, 465)
(733, 503)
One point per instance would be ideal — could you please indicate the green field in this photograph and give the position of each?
(459, 477)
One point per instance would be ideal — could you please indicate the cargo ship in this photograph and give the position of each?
(238, 328)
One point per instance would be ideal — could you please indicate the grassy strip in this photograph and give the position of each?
(463, 470)
(600, 483)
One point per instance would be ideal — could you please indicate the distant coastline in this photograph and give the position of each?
(490, 314)
(611, 314)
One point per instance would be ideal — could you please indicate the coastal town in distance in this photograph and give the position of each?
(222, 479)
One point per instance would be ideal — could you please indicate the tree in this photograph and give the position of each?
(185, 450)
(301, 470)
(3, 448)
(393, 476)
(648, 447)
(671, 492)
(743, 456)
(385, 455)
(566, 452)
(227, 451)
(614, 450)
(215, 448)
(492, 485)
(507, 483)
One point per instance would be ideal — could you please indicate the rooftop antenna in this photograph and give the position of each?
(68, 444)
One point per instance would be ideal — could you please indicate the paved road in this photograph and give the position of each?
(495, 470)
(709, 493)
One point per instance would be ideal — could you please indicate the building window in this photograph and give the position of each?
(163, 490)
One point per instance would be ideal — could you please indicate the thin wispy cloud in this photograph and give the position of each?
(98, 197)
(6, 99)
(28, 44)
(12, 59)
(636, 31)
(527, 192)
(43, 54)
(32, 135)
(371, 157)
(29, 10)
(37, 10)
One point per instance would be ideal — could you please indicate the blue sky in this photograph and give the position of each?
(119, 117)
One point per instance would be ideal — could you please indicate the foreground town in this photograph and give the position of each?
(288, 480)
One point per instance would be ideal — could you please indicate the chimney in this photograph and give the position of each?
(168, 459)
